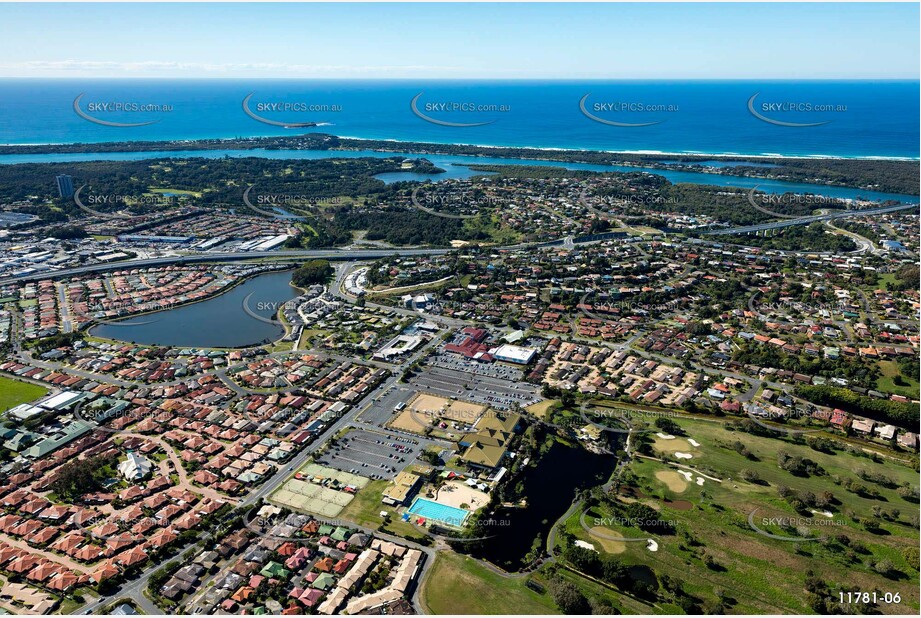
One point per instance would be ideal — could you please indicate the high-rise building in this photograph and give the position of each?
(65, 185)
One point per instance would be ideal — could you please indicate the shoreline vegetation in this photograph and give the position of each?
(878, 174)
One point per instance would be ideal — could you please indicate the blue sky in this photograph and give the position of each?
(454, 41)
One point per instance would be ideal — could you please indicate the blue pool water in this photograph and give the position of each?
(439, 512)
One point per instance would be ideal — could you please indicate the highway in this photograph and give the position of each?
(349, 255)
(328, 254)
(811, 219)
(374, 254)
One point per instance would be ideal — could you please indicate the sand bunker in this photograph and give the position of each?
(670, 444)
(651, 545)
(665, 436)
(693, 442)
(672, 480)
(585, 544)
(681, 455)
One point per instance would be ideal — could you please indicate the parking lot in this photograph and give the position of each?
(491, 370)
(371, 454)
(381, 410)
(497, 393)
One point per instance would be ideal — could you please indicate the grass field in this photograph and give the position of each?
(762, 574)
(886, 382)
(459, 585)
(14, 392)
(174, 191)
(541, 408)
(365, 510)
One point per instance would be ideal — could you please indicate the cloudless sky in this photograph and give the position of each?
(694, 41)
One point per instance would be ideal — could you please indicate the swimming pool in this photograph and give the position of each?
(450, 515)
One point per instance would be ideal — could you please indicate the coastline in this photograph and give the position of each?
(229, 143)
(728, 156)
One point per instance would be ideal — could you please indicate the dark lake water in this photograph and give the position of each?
(219, 322)
(550, 487)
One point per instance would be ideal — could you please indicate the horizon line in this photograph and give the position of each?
(462, 79)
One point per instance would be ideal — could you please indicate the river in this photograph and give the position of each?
(457, 167)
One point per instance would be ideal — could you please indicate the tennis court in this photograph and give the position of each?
(310, 496)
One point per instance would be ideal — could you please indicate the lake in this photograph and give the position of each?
(219, 322)
(550, 487)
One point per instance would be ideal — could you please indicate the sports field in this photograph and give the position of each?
(15, 392)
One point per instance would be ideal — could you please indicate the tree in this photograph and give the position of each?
(311, 273)
(568, 598)
(884, 567)
(79, 477)
(602, 607)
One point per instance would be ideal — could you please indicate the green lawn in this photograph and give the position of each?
(175, 191)
(366, 507)
(460, 585)
(886, 382)
(15, 392)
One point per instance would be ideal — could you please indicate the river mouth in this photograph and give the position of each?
(240, 317)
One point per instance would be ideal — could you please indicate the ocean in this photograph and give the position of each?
(850, 119)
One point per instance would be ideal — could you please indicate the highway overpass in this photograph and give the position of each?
(841, 214)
